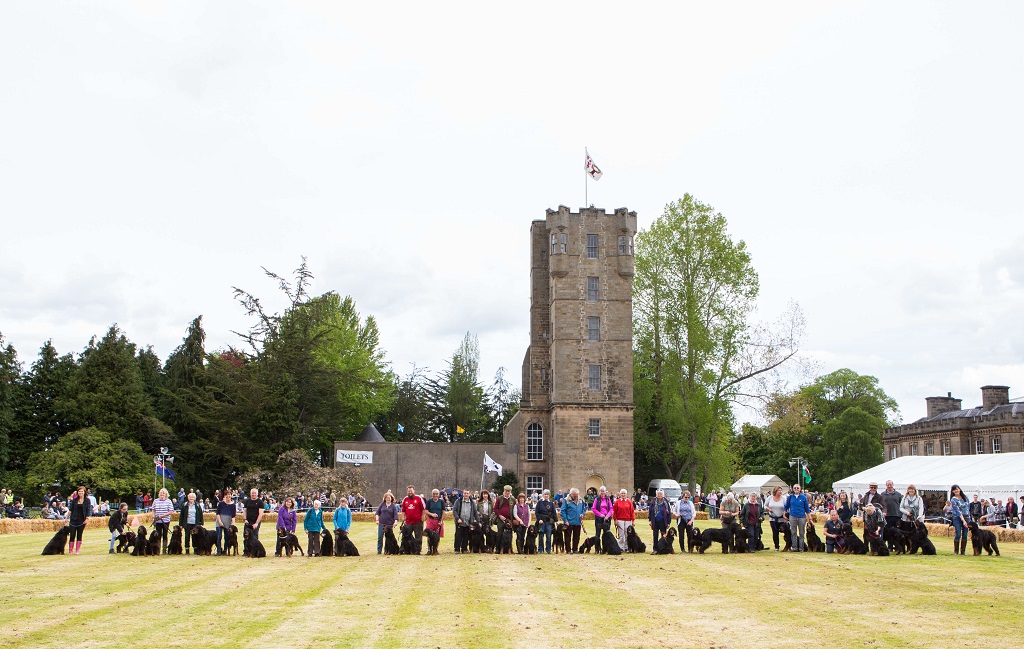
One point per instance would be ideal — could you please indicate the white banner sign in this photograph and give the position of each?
(355, 457)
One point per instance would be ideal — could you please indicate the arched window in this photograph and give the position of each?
(534, 442)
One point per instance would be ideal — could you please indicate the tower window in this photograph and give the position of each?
(593, 328)
(594, 428)
(591, 246)
(534, 442)
(592, 289)
(626, 246)
(594, 377)
(559, 243)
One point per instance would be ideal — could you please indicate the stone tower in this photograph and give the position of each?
(575, 423)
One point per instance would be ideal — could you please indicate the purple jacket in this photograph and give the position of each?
(523, 512)
(602, 507)
(286, 519)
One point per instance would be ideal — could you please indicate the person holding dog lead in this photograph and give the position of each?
(286, 519)
(412, 515)
(162, 510)
(546, 515)
(685, 512)
(572, 512)
(797, 509)
(225, 518)
(751, 518)
(313, 524)
(254, 514)
(659, 515)
(624, 515)
(503, 509)
(912, 507)
(189, 517)
(776, 506)
(602, 510)
(521, 520)
(464, 513)
(729, 509)
(891, 500)
(342, 516)
(833, 532)
(78, 517)
(435, 513)
(386, 516)
(117, 523)
(961, 514)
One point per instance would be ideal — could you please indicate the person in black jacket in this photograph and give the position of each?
(190, 516)
(116, 524)
(80, 511)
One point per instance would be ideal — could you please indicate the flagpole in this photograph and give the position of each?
(586, 154)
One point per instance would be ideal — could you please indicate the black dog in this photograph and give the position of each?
(408, 545)
(252, 547)
(633, 542)
(433, 540)
(876, 545)
(231, 540)
(787, 536)
(505, 543)
(476, 539)
(919, 540)
(894, 539)
(491, 541)
(57, 543)
(711, 535)
(154, 543)
(531, 539)
(740, 544)
(174, 545)
(558, 542)
(692, 538)
(390, 542)
(609, 545)
(326, 544)
(203, 541)
(343, 546)
(287, 543)
(125, 540)
(665, 543)
(589, 544)
(983, 540)
(814, 543)
(851, 542)
(141, 543)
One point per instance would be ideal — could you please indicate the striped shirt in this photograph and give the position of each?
(162, 510)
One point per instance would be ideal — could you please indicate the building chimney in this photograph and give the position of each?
(994, 395)
(939, 405)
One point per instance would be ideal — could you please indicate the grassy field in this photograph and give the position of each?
(763, 600)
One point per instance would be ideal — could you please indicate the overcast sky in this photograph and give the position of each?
(152, 156)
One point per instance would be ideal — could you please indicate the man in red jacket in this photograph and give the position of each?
(412, 515)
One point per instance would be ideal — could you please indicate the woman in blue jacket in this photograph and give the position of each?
(313, 523)
(342, 516)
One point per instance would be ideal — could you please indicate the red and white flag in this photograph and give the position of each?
(591, 168)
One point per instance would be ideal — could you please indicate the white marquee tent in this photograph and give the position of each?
(759, 483)
(999, 475)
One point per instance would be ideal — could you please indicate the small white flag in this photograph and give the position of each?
(591, 168)
(490, 466)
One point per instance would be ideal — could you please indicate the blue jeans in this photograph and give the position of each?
(380, 538)
(958, 526)
(544, 542)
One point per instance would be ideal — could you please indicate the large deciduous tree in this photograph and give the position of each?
(113, 467)
(696, 350)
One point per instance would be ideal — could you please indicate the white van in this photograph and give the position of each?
(671, 488)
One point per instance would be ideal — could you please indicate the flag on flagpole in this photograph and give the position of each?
(807, 475)
(401, 428)
(163, 470)
(490, 466)
(459, 429)
(590, 167)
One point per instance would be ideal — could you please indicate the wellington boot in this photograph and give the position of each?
(963, 545)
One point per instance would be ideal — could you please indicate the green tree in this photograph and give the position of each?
(507, 477)
(696, 351)
(10, 375)
(107, 391)
(504, 399)
(112, 467)
(458, 399)
(410, 410)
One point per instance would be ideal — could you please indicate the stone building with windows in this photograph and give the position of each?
(996, 426)
(575, 423)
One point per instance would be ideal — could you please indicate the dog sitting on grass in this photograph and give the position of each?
(141, 542)
(852, 543)
(665, 543)
(408, 544)
(56, 544)
(609, 544)
(343, 546)
(982, 540)
(433, 540)
(154, 543)
(174, 545)
(476, 539)
(531, 540)
(693, 539)
(558, 542)
(287, 544)
(326, 544)
(505, 542)
(633, 542)
(919, 540)
(203, 541)
(252, 546)
(390, 542)
(231, 540)
(814, 543)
